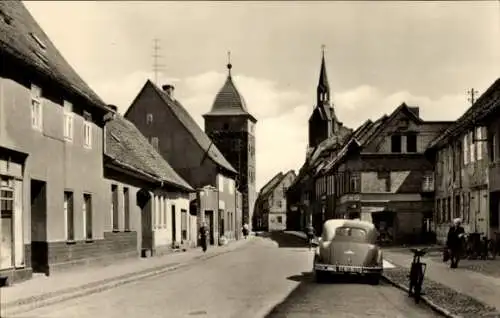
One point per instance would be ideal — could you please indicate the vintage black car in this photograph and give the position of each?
(348, 247)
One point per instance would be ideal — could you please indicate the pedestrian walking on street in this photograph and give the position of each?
(310, 235)
(204, 237)
(454, 242)
(245, 230)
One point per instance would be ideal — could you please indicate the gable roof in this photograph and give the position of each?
(128, 148)
(22, 38)
(485, 105)
(191, 126)
(272, 184)
(358, 138)
(408, 110)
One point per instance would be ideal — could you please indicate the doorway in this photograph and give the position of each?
(209, 219)
(174, 232)
(39, 245)
(143, 199)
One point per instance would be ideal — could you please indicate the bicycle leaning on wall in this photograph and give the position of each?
(417, 273)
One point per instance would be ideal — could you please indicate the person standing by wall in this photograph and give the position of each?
(454, 242)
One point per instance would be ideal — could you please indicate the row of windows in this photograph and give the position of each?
(68, 126)
(446, 212)
(339, 184)
(473, 145)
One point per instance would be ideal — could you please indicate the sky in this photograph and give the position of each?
(378, 55)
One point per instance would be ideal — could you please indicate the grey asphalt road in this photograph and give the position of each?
(268, 277)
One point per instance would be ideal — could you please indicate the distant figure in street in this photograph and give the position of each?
(203, 236)
(245, 230)
(454, 242)
(310, 235)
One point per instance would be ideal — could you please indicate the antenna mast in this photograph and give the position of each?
(472, 93)
(157, 67)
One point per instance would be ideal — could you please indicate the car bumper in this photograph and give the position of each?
(348, 269)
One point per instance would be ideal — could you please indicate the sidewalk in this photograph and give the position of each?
(43, 290)
(298, 234)
(481, 287)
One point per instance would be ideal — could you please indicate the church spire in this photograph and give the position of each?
(229, 65)
(323, 90)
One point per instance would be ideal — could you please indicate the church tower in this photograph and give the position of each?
(232, 129)
(323, 122)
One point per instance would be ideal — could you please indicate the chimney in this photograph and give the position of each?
(169, 89)
(113, 107)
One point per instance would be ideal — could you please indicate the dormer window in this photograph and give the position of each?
(149, 119)
(38, 41)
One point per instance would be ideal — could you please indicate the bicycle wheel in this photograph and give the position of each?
(417, 293)
(413, 279)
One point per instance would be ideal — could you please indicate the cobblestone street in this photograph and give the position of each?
(266, 273)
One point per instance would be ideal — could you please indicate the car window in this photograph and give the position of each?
(350, 233)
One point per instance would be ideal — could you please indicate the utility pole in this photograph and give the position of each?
(157, 67)
(472, 93)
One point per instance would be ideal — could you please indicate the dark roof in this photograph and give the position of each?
(229, 101)
(192, 127)
(127, 147)
(485, 105)
(358, 138)
(20, 35)
(272, 184)
(323, 78)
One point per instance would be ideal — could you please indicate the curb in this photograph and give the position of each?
(43, 300)
(440, 310)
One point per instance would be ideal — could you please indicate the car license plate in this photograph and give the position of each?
(348, 269)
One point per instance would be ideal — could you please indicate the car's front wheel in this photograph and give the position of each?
(320, 276)
(374, 279)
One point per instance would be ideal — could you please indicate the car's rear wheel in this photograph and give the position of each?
(374, 279)
(320, 276)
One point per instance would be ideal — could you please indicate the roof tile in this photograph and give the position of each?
(22, 38)
(190, 124)
(126, 146)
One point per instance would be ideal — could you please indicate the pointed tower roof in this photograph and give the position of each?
(323, 78)
(229, 101)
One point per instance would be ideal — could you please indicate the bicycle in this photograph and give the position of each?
(488, 249)
(417, 273)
